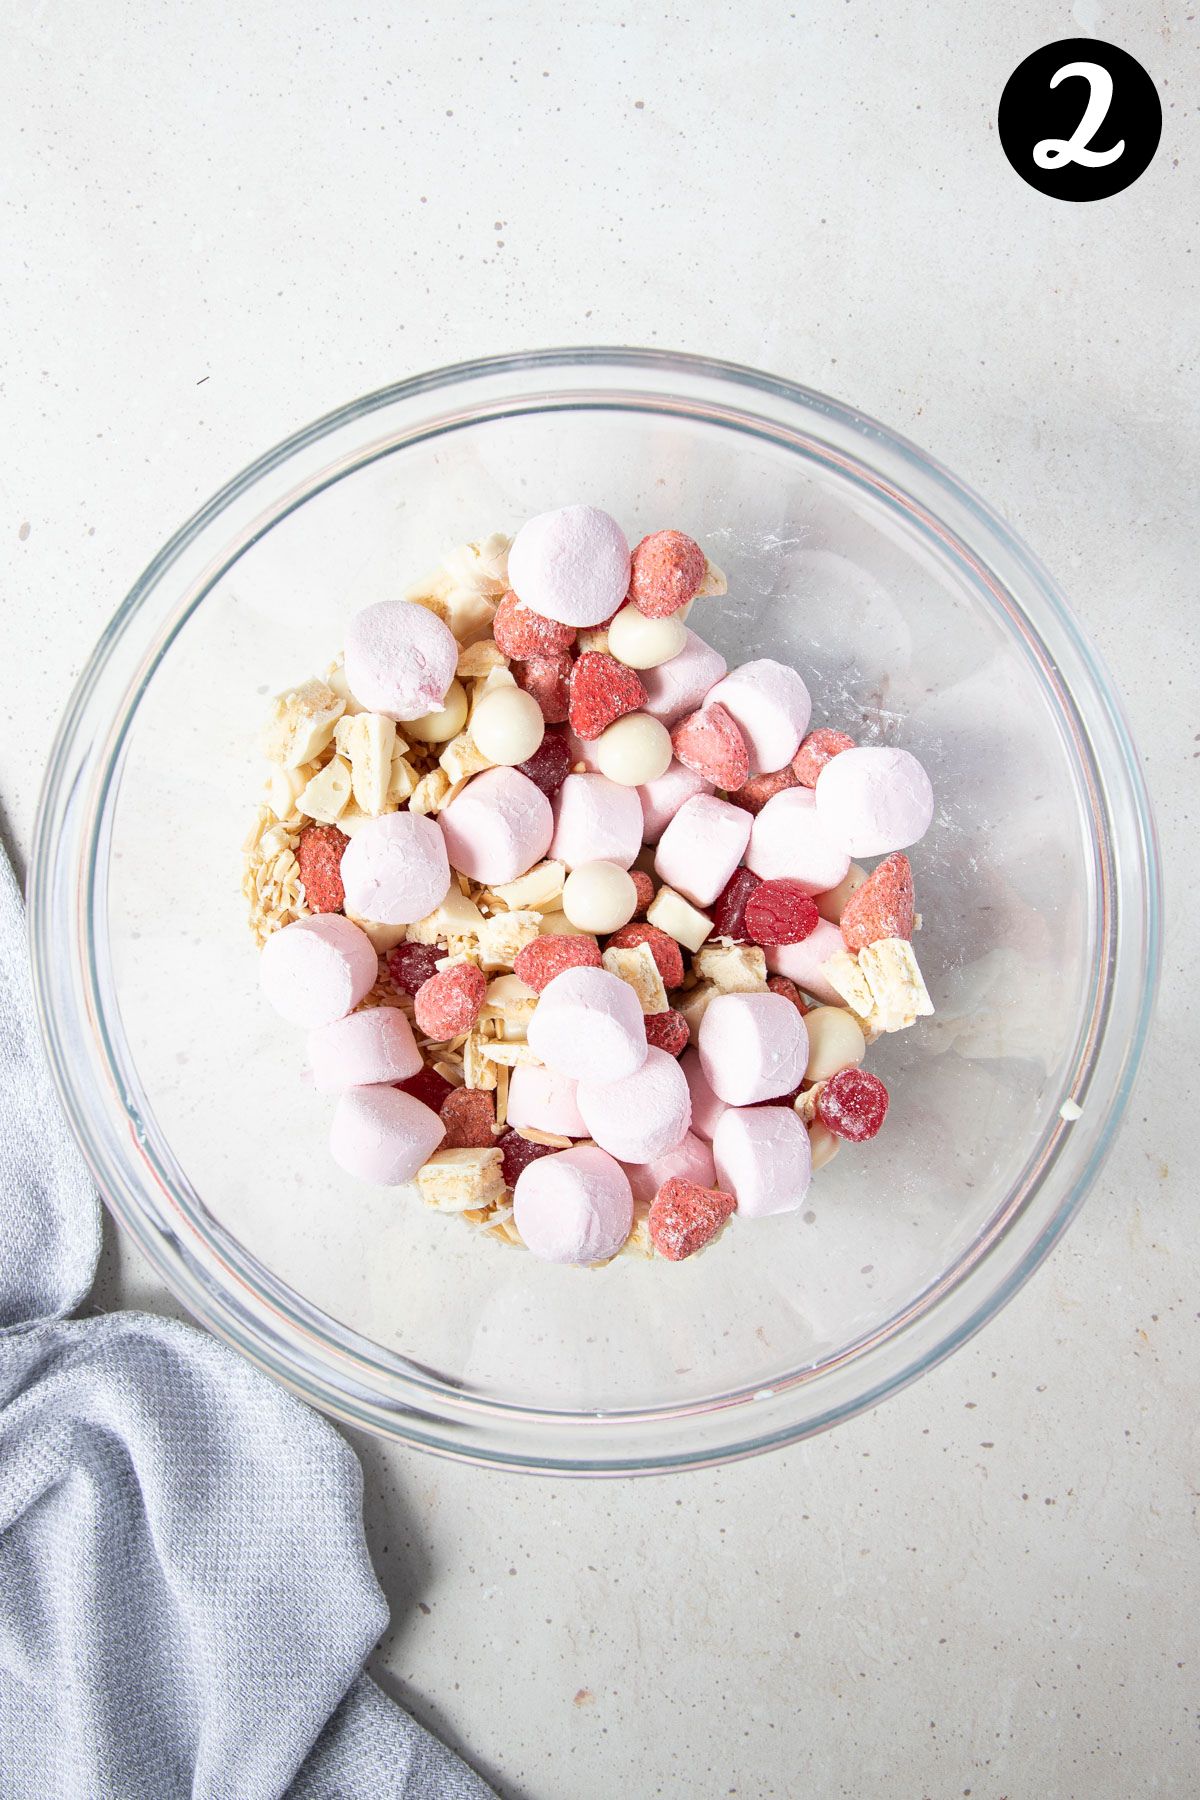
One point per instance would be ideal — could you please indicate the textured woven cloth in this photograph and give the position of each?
(186, 1599)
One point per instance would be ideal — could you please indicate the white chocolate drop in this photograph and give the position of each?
(440, 727)
(835, 1041)
(599, 897)
(642, 643)
(634, 750)
(507, 726)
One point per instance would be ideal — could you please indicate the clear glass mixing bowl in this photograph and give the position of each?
(915, 615)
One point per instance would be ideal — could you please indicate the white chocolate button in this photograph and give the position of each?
(835, 1041)
(642, 643)
(634, 750)
(599, 897)
(507, 726)
(440, 727)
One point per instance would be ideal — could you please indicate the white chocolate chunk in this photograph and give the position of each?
(477, 660)
(557, 924)
(462, 758)
(455, 1180)
(283, 787)
(457, 923)
(402, 781)
(733, 968)
(503, 936)
(509, 1051)
(326, 796)
(679, 918)
(896, 983)
(635, 965)
(694, 1004)
(478, 1072)
(846, 978)
(301, 723)
(430, 792)
(367, 741)
(537, 888)
(384, 937)
(335, 677)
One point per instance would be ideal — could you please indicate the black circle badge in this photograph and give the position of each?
(1079, 119)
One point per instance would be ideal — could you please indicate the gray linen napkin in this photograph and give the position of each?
(186, 1599)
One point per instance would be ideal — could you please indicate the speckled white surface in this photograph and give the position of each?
(216, 228)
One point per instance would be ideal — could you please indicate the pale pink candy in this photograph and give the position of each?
(596, 820)
(383, 1135)
(875, 799)
(362, 1051)
(680, 684)
(575, 1206)
(394, 869)
(801, 962)
(662, 799)
(498, 827)
(771, 707)
(702, 846)
(588, 1026)
(752, 1047)
(316, 970)
(571, 565)
(763, 1158)
(690, 1161)
(400, 659)
(788, 840)
(643, 1116)
(583, 750)
(539, 1098)
(706, 1107)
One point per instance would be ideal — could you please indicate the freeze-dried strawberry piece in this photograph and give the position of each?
(668, 1031)
(755, 793)
(684, 1217)
(521, 632)
(449, 1002)
(319, 854)
(468, 1115)
(709, 743)
(645, 889)
(665, 570)
(548, 679)
(550, 764)
(668, 957)
(427, 1086)
(538, 963)
(818, 748)
(729, 913)
(853, 1105)
(780, 912)
(779, 984)
(411, 965)
(602, 689)
(517, 1153)
(883, 907)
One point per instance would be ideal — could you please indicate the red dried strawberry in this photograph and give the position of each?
(779, 984)
(853, 1105)
(668, 957)
(550, 764)
(468, 1115)
(818, 748)
(517, 1153)
(709, 743)
(729, 913)
(538, 963)
(602, 689)
(684, 1217)
(411, 965)
(521, 632)
(427, 1086)
(645, 890)
(319, 854)
(883, 907)
(753, 796)
(665, 571)
(780, 912)
(449, 1002)
(548, 679)
(668, 1031)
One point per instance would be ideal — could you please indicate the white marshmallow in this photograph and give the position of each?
(802, 962)
(317, 969)
(395, 870)
(571, 565)
(692, 1160)
(498, 827)
(400, 659)
(752, 1047)
(596, 820)
(788, 838)
(588, 1026)
(642, 1116)
(875, 799)
(382, 1135)
(706, 1106)
(364, 1050)
(573, 1207)
(539, 1098)
(770, 706)
(662, 799)
(678, 686)
(702, 846)
(763, 1158)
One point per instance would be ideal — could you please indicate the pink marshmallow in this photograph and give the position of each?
(662, 799)
(498, 827)
(764, 1159)
(680, 684)
(583, 750)
(318, 969)
(400, 659)
(539, 1098)
(573, 1207)
(801, 962)
(571, 565)
(595, 820)
(588, 1026)
(690, 1161)
(394, 869)
(364, 1050)
(706, 1107)
(643, 1116)
(752, 1047)
(770, 706)
(788, 838)
(702, 846)
(880, 800)
(382, 1135)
